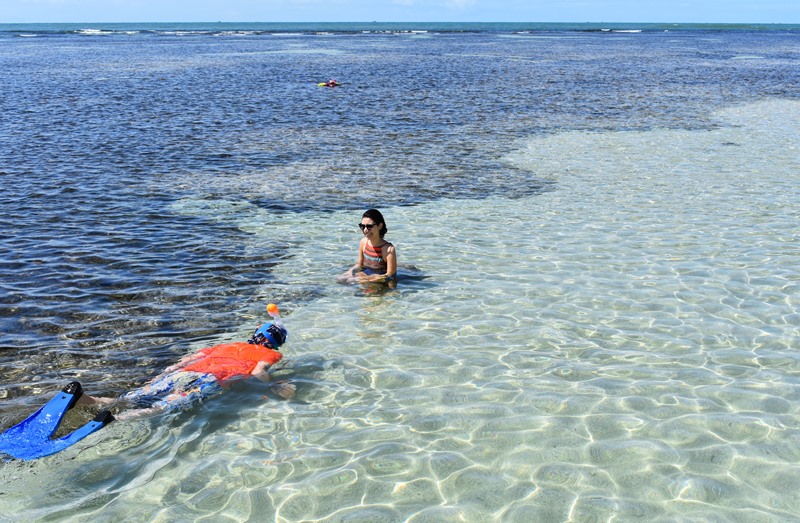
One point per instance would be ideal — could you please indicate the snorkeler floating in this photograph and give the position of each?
(330, 83)
(194, 378)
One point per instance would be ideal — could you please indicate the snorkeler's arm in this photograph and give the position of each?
(184, 361)
(281, 388)
(260, 371)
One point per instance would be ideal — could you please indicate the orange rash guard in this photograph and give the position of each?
(231, 360)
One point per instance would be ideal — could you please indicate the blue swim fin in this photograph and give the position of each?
(30, 438)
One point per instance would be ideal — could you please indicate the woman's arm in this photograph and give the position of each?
(351, 275)
(360, 259)
(391, 268)
(391, 261)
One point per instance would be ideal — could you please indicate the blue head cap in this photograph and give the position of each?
(270, 336)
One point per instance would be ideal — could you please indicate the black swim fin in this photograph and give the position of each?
(30, 438)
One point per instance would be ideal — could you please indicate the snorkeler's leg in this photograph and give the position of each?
(85, 399)
(139, 413)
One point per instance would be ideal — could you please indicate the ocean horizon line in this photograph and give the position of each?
(379, 26)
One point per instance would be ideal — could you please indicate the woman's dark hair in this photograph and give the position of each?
(376, 216)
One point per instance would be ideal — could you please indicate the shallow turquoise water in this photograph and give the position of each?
(623, 347)
(598, 233)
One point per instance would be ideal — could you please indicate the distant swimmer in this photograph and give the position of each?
(330, 83)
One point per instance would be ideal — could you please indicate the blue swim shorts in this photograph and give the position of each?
(174, 391)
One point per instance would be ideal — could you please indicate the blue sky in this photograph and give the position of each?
(703, 11)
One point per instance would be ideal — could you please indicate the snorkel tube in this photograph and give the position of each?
(273, 311)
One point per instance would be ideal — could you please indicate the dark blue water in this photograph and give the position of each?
(101, 133)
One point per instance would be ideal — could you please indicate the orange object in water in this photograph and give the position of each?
(232, 360)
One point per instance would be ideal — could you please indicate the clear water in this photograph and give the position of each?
(599, 319)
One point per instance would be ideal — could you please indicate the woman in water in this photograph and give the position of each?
(377, 258)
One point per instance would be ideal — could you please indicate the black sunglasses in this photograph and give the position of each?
(367, 226)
